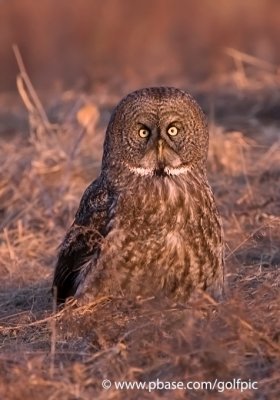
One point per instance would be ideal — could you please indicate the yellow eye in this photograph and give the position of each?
(172, 131)
(143, 133)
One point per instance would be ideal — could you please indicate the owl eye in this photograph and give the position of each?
(143, 133)
(172, 131)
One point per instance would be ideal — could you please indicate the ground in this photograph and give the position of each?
(66, 353)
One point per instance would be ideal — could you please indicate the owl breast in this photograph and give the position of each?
(160, 241)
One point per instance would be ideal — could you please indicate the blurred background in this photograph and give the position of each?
(80, 44)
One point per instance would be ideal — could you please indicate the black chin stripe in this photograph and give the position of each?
(160, 172)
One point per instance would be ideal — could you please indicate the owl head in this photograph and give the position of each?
(156, 131)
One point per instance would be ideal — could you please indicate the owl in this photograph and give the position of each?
(148, 225)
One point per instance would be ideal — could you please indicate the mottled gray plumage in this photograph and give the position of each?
(148, 224)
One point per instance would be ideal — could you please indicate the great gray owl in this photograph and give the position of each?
(148, 224)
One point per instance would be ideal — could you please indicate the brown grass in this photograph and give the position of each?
(66, 353)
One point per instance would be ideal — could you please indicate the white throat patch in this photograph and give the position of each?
(150, 171)
(176, 171)
(142, 171)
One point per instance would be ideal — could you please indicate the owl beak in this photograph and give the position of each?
(166, 157)
(160, 158)
(160, 150)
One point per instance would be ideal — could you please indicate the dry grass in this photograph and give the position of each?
(66, 353)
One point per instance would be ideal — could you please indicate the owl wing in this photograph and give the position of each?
(81, 245)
